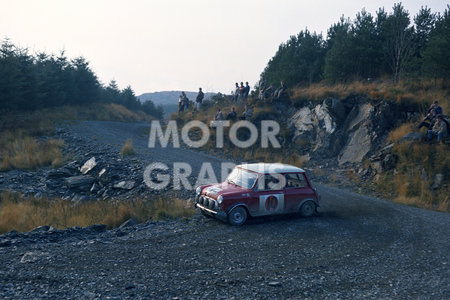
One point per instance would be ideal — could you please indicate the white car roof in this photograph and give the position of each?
(264, 168)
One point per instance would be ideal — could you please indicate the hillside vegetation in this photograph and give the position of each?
(367, 48)
(36, 91)
(379, 59)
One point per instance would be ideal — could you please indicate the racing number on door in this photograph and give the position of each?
(271, 203)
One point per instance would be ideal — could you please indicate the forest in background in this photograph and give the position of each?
(30, 82)
(369, 47)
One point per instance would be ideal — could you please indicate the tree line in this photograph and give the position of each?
(368, 47)
(29, 82)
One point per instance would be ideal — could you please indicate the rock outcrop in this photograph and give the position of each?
(348, 130)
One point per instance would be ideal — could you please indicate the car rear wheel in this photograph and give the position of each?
(237, 216)
(307, 209)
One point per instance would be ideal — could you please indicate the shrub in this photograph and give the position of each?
(128, 148)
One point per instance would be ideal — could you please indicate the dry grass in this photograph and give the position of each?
(100, 112)
(27, 153)
(128, 148)
(415, 173)
(20, 214)
(19, 148)
(422, 92)
(397, 133)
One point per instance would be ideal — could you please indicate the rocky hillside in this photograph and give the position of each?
(347, 130)
(350, 137)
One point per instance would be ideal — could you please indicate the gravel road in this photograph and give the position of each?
(357, 247)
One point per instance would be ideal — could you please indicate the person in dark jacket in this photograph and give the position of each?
(430, 118)
(246, 90)
(232, 115)
(219, 115)
(199, 98)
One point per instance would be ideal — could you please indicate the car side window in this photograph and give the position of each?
(295, 181)
(271, 182)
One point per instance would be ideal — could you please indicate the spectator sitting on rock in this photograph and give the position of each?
(262, 87)
(232, 114)
(439, 129)
(268, 92)
(432, 112)
(436, 107)
(279, 92)
(219, 115)
(247, 114)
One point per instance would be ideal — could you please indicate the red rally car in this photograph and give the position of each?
(257, 190)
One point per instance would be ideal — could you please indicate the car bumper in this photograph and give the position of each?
(221, 215)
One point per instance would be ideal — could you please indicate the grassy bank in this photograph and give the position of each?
(415, 92)
(23, 214)
(20, 147)
(413, 181)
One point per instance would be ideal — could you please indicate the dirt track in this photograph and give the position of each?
(357, 247)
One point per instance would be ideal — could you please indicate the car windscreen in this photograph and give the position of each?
(242, 178)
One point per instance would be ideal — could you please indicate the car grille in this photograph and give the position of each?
(207, 202)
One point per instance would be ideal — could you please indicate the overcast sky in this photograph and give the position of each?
(160, 45)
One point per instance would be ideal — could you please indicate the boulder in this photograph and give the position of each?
(412, 136)
(79, 182)
(128, 223)
(88, 165)
(302, 121)
(389, 161)
(125, 185)
(59, 173)
(315, 126)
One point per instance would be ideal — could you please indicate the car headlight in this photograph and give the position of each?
(220, 199)
(198, 191)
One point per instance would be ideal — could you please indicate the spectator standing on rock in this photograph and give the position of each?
(199, 98)
(439, 129)
(241, 92)
(246, 91)
(236, 93)
(232, 114)
(180, 103)
(185, 101)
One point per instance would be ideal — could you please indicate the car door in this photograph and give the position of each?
(268, 195)
(295, 191)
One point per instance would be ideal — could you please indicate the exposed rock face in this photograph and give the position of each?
(359, 142)
(348, 130)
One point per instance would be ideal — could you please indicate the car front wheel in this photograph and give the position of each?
(307, 209)
(237, 216)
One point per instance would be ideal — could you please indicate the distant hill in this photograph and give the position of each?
(169, 97)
